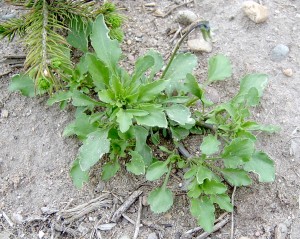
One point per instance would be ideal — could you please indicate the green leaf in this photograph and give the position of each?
(109, 170)
(151, 90)
(160, 200)
(179, 133)
(219, 68)
(213, 187)
(180, 114)
(262, 165)
(210, 145)
(78, 176)
(78, 36)
(192, 86)
(179, 68)
(237, 152)
(155, 138)
(156, 117)
(80, 127)
(158, 62)
(93, 148)
(80, 99)
(203, 173)
(191, 173)
(141, 135)
(124, 119)
(249, 125)
(107, 50)
(22, 83)
(195, 191)
(98, 70)
(236, 177)
(136, 164)
(256, 81)
(59, 97)
(141, 66)
(204, 210)
(223, 201)
(156, 170)
(107, 96)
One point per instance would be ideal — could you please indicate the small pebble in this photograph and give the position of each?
(41, 234)
(8, 16)
(129, 42)
(145, 201)
(17, 218)
(256, 12)
(279, 52)
(199, 45)
(130, 57)
(4, 113)
(288, 72)
(124, 237)
(281, 231)
(152, 236)
(257, 233)
(186, 17)
(5, 235)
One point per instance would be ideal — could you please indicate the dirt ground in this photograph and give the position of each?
(35, 158)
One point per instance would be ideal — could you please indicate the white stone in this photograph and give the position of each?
(41, 234)
(186, 17)
(4, 113)
(288, 72)
(256, 12)
(199, 45)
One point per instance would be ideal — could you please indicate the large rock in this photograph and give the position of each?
(256, 12)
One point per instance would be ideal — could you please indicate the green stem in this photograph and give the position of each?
(167, 177)
(194, 25)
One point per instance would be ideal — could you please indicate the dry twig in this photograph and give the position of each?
(215, 228)
(196, 229)
(130, 200)
(172, 9)
(232, 214)
(138, 220)
(10, 223)
(71, 215)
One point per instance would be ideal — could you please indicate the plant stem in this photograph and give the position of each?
(176, 48)
(167, 177)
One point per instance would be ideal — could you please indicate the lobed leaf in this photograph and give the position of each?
(210, 145)
(94, 147)
(182, 65)
(180, 114)
(204, 210)
(78, 176)
(160, 200)
(22, 83)
(107, 50)
(109, 170)
(262, 165)
(219, 68)
(236, 177)
(156, 170)
(136, 164)
(237, 152)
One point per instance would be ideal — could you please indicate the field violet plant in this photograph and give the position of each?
(127, 117)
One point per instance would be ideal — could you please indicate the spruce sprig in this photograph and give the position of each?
(43, 29)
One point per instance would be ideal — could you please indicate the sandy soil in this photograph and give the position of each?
(35, 159)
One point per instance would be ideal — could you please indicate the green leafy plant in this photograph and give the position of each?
(125, 117)
(43, 28)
